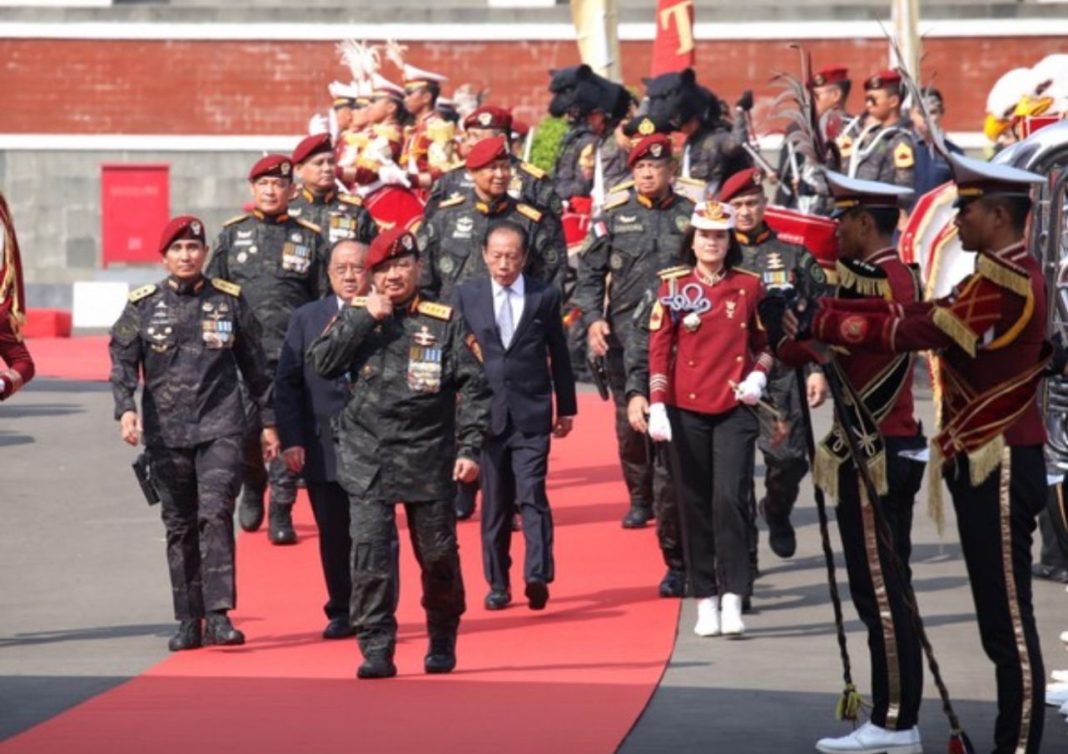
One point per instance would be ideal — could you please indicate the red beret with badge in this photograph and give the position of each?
(486, 152)
(748, 181)
(489, 116)
(181, 228)
(272, 166)
(312, 145)
(652, 147)
(390, 244)
(888, 80)
(834, 74)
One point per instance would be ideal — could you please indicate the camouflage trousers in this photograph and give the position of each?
(373, 608)
(646, 469)
(254, 474)
(197, 489)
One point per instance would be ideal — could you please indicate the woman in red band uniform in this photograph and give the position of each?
(707, 355)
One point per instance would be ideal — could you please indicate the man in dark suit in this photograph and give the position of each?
(516, 320)
(306, 404)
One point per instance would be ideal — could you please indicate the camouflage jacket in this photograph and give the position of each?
(885, 154)
(567, 174)
(193, 343)
(341, 217)
(450, 243)
(530, 185)
(278, 262)
(632, 239)
(706, 152)
(419, 399)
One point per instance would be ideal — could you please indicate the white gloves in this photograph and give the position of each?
(750, 390)
(390, 172)
(659, 426)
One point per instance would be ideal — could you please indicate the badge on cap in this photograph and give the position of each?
(656, 150)
(195, 227)
(484, 119)
(819, 80)
(406, 242)
(646, 127)
(284, 168)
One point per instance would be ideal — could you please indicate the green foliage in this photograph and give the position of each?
(547, 136)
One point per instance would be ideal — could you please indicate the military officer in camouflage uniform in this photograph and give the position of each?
(413, 426)
(884, 150)
(569, 178)
(340, 216)
(277, 260)
(785, 463)
(638, 233)
(194, 339)
(451, 241)
(529, 185)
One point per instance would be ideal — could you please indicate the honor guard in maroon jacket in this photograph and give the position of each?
(990, 334)
(879, 576)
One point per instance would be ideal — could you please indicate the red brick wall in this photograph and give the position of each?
(185, 87)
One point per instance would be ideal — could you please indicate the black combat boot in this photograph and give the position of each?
(187, 636)
(220, 631)
(280, 519)
(674, 583)
(781, 537)
(441, 656)
(250, 511)
(638, 516)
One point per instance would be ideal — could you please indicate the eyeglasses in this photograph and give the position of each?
(345, 269)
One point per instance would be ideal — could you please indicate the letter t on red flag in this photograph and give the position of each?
(673, 48)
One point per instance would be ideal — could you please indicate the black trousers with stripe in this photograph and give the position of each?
(996, 521)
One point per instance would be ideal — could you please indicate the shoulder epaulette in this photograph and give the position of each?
(616, 203)
(527, 211)
(309, 225)
(1004, 274)
(452, 201)
(359, 301)
(383, 224)
(353, 199)
(674, 272)
(142, 292)
(533, 170)
(234, 220)
(744, 271)
(226, 286)
(435, 310)
(691, 181)
(621, 186)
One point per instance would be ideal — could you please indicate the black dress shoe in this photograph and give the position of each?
(537, 595)
(498, 599)
(376, 666)
(673, 584)
(187, 636)
(1050, 573)
(250, 510)
(441, 657)
(464, 502)
(220, 631)
(781, 536)
(338, 628)
(638, 516)
(281, 525)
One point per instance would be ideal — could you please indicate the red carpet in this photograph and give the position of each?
(82, 358)
(573, 678)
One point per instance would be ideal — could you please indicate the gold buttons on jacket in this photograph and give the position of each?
(737, 358)
(693, 396)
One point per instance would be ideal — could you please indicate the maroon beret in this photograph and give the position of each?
(390, 244)
(652, 147)
(489, 116)
(889, 80)
(834, 74)
(272, 165)
(182, 228)
(748, 181)
(312, 145)
(486, 152)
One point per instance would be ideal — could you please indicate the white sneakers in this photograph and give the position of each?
(731, 618)
(1056, 694)
(1060, 676)
(707, 617)
(871, 739)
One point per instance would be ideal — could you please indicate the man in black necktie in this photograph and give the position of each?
(516, 321)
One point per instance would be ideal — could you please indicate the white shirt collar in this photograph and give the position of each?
(518, 287)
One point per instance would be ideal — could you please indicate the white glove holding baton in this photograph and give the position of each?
(659, 426)
(750, 390)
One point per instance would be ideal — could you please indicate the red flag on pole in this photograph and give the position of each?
(673, 48)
